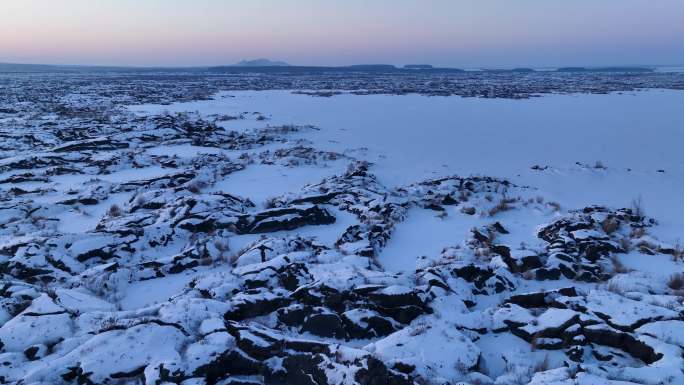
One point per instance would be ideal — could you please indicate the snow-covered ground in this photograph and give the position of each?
(271, 237)
(637, 136)
(414, 137)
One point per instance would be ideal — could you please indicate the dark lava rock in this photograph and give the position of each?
(325, 325)
(623, 341)
(542, 299)
(284, 219)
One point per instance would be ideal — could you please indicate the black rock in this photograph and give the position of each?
(325, 325)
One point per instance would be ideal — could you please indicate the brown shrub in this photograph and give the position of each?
(610, 225)
(114, 211)
(625, 244)
(196, 186)
(638, 207)
(637, 232)
(618, 267)
(676, 282)
(541, 366)
(503, 205)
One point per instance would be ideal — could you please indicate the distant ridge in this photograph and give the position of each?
(520, 69)
(605, 69)
(262, 63)
(373, 67)
(365, 68)
(16, 67)
(411, 68)
(58, 68)
(268, 66)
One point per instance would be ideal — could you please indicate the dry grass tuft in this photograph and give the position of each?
(618, 267)
(542, 366)
(222, 246)
(625, 244)
(599, 165)
(140, 200)
(114, 211)
(271, 203)
(637, 232)
(676, 282)
(610, 225)
(503, 205)
(638, 207)
(677, 252)
(614, 288)
(554, 205)
(196, 186)
(529, 275)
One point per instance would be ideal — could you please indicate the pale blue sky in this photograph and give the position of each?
(460, 33)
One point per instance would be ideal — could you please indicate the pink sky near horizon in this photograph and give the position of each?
(459, 33)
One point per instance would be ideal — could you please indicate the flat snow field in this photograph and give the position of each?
(636, 136)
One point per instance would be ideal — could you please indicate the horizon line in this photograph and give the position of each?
(399, 66)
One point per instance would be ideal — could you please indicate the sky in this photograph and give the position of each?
(455, 33)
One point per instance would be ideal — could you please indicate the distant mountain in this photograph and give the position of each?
(418, 66)
(311, 70)
(54, 68)
(17, 67)
(518, 69)
(261, 63)
(373, 67)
